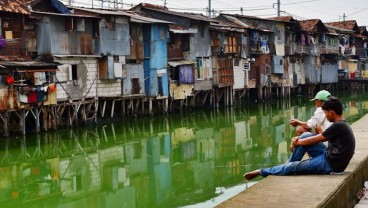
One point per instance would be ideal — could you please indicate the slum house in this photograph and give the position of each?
(91, 46)
(294, 51)
(364, 32)
(261, 47)
(329, 57)
(292, 64)
(313, 31)
(68, 39)
(189, 53)
(364, 56)
(116, 79)
(156, 69)
(229, 42)
(27, 89)
(131, 67)
(352, 45)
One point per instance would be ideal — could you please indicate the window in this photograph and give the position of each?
(135, 86)
(186, 42)
(74, 24)
(279, 34)
(201, 30)
(280, 62)
(110, 23)
(73, 74)
(230, 44)
(96, 28)
(236, 62)
(160, 88)
(202, 68)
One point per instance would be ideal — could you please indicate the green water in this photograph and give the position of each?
(195, 158)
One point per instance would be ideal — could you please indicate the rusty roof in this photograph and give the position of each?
(165, 10)
(363, 30)
(154, 6)
(14, 6)
(349, 25)
(312, 25)
(283, 18)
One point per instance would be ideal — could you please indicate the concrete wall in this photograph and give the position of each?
(85, 86)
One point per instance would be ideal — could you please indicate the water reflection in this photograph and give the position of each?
(154, 162)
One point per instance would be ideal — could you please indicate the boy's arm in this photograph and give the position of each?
(295, 141)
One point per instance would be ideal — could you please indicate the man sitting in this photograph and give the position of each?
(324, 160)
(318, 122)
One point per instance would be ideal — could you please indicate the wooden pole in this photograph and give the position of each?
(6, 123)
(22, 122)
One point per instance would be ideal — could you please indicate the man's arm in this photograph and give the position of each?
(295, 141)
(296, 122)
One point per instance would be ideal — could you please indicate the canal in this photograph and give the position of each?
(194, 159)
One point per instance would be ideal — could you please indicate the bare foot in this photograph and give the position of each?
(252, 174)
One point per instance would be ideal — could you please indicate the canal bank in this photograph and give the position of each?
(312, 190)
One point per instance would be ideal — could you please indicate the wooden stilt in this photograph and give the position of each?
(37, 116)
(70, 116)
(103, 108)
(22, 122)
(5, 119)
(166, 105)
(112, 108)
(54, 117)
(150, 106)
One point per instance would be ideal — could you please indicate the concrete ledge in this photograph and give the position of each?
(312, 190)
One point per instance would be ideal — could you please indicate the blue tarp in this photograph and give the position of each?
(60, 7)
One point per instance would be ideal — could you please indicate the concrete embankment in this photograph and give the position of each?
(312, 190)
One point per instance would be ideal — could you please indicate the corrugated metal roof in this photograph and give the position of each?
(192, 16)
(184, 31)
(226, 26)
(283, 19)
(135, 16)
(141, 18)
(59, 14)
(15, 6)
(102, 11)
(180, 62)
(28, 64)
(236, 21)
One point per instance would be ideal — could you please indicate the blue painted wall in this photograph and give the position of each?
(155, 53)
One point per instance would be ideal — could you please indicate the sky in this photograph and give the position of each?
(326, 10)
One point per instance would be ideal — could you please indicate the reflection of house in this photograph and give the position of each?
(352, 110)
(204, 178)
(242, 136)
(159, 168)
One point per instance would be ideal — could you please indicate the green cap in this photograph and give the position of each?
(322, 95)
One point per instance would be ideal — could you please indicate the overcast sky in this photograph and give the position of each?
(326, 10)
